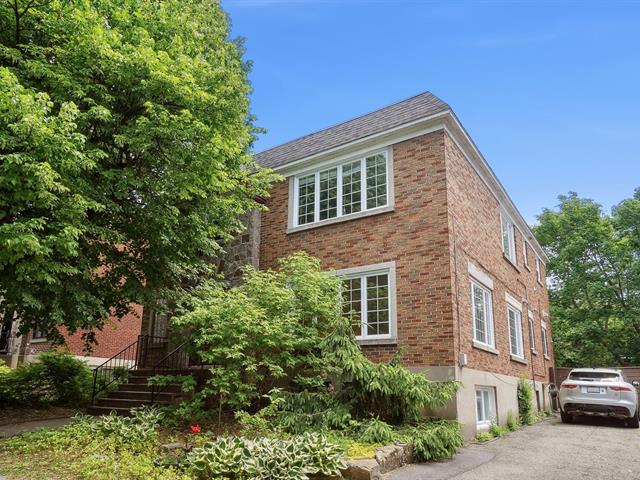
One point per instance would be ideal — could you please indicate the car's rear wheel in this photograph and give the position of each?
(634, 422)
(565, 417)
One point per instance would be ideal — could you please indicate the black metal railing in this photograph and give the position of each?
(176, 362)
(116, 369)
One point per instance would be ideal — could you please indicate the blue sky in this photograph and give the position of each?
(550, 92)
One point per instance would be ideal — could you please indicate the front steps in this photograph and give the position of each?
(136, 393)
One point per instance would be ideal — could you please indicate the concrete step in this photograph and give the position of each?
(126, 403)
(102, 410)
(141, 387)
(134, 395)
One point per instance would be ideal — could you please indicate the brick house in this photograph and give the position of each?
(436, 259)
(115, 336)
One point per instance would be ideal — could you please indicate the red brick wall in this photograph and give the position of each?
(116, 335)
(474, 217)
(415, 235)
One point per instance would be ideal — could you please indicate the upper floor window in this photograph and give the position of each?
(532, 334)
(508, 238)
(482, 314)
(38, 333)
(368, 301)
(538, 270)
(525, 253)
(345, 189)
(545, 345)
(515, 331)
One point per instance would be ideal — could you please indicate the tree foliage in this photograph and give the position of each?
(594, 270)
(285, 329)
(124, 138)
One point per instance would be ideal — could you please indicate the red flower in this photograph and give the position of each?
(195, 428)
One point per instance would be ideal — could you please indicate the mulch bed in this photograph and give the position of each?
(9, 414)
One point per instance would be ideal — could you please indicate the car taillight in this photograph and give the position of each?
(620, 389)
(568, 385)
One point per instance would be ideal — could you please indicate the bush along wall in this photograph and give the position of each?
(284, 351)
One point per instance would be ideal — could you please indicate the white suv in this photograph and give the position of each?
(599, 392)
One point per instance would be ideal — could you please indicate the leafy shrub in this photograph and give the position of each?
(484, 436)
(305, 411)
(498, 430)
(296, 458)
(377, 431)
(139, 428)
(56, 377)
(525, 401)
(436, 440)
(4, 370)
(512, 422)
(286, 328)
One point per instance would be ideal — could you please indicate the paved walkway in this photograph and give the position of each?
(589, 449)
(18, 428)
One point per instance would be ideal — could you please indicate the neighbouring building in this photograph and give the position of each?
(116, 335)
(436, 258)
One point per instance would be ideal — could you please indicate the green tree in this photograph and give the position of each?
(594, 270)
(124, 139)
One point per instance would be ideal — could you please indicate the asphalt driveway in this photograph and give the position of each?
(588, 449)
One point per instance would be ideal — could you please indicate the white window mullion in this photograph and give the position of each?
(296, 200)
(363, 184)
(363, 306)
(316, 198)
(339, 180)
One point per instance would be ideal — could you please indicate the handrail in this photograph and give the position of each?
(176, 360)
(118, 366)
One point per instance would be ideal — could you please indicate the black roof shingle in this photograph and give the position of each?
(415, 108)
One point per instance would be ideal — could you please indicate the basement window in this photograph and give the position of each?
(485, 405)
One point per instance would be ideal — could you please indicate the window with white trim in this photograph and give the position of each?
(515, 331)
(367, 302)
(349, 188)
(532, 333)
(508, 237)
(485, 405)
(525, 253)
(545, 346)
(38, 333)
(538, 270)
(482, 314)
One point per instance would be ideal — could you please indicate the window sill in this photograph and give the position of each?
(515, 358)
(547, 357)
(510, 262)
(376, 341)
(527, 267)
(540, 283)
(486, 348)
(346, 218)
(534, 352)
(38, 340)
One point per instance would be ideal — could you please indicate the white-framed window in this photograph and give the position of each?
(482, 308)
(368, 300)
(525, 253)
(515, 331)
(508, 237)
(545, 345)
(538, 269)
(532, 333)
(485, 405)
(351, 187)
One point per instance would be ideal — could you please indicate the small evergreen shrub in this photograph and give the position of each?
(436, 440)
(377, 431)
(525, 401)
